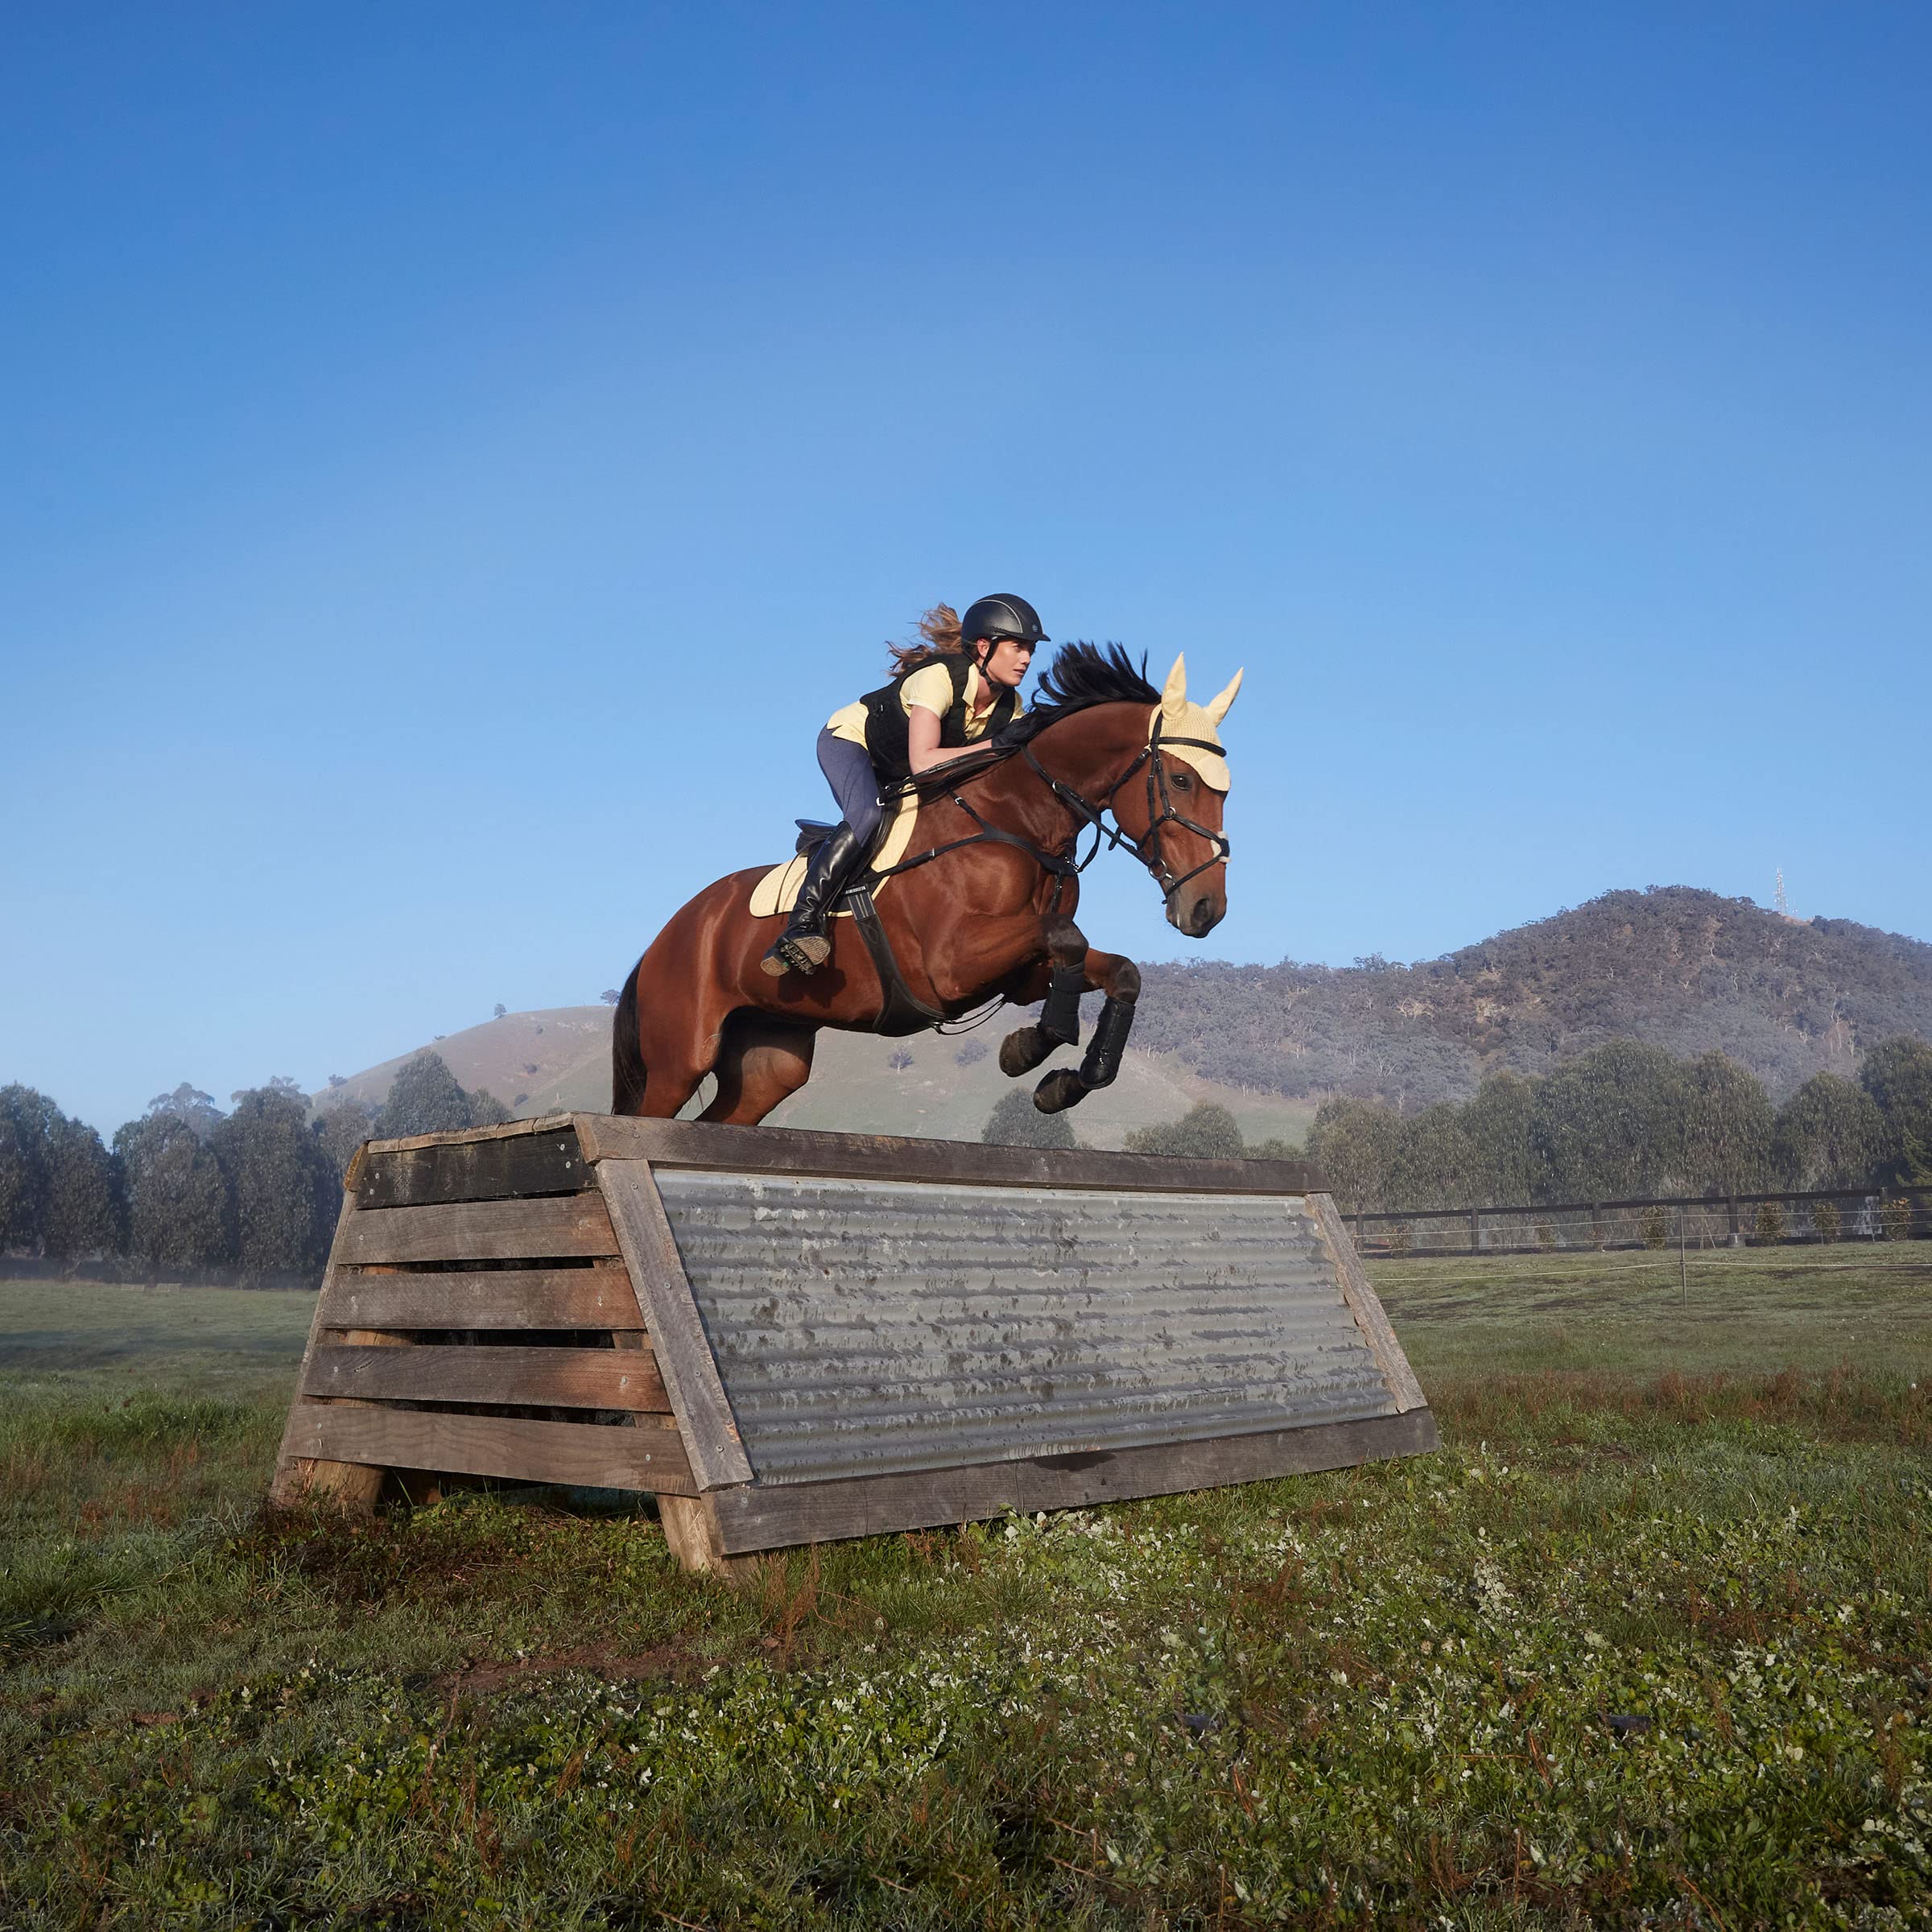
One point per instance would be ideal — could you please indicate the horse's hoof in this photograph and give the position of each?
(1059, 1090)
(1022, 1050)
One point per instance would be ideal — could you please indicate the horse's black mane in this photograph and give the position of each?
(1081, 676)
(1094, 673)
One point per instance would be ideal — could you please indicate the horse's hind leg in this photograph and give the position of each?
(761, 1062)
(1059, 1022)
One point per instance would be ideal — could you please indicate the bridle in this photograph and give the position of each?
(1064, 865)
(1146, 848)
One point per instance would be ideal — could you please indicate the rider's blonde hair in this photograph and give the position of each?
(940, 637)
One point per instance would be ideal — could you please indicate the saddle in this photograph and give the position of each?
(777, 892)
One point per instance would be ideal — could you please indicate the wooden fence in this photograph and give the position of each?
(1736, 1220)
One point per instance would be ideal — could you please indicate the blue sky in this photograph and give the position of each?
(456, 457)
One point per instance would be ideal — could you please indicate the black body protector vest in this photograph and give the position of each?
(886, 722)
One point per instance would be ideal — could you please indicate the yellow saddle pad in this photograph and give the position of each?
(777, 892)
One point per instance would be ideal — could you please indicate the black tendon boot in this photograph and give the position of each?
(802, 947)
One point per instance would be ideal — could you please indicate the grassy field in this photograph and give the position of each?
(1647, 1644)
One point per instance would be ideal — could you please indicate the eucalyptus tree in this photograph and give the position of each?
(1830, 1133)
(1728, 1128)
(178, 1209)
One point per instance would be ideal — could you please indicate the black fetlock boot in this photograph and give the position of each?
(802, 947)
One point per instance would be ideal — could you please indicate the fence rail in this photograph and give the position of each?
(1737, 1221)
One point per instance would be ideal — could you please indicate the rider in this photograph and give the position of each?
(963, 682)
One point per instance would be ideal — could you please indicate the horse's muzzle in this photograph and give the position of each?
(1199, 914)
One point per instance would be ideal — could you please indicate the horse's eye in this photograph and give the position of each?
(1183, 783)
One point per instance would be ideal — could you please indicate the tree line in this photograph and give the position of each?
(1205, 1132)
(1628, 1121)
(187, 1187)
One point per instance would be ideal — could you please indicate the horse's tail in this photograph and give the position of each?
(627, 1052)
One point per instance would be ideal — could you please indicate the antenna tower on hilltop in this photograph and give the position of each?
(1778, 899)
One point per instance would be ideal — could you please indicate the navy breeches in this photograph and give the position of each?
(847, 770)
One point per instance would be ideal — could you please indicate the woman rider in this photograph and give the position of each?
(963, 682)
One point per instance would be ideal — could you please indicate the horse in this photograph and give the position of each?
(982, 908)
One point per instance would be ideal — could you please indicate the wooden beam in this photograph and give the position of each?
(887, 1157)
(480, 1230)
(507, 1130)
(775, 1515)
(677, 1329)
(507, 1169)
(585, 1455)
(598, 1297)
(564, 1378)
(1365, 1306)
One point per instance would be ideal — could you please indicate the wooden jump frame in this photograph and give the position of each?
(511, 1302)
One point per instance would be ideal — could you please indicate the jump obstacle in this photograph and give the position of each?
(791, 1338)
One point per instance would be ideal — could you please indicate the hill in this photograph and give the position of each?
(1675, 967)
(553, 1061)
(1678, 968)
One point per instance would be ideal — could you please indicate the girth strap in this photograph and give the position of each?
(903, 1011)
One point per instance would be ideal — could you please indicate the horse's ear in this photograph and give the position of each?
(1217, 708)
(1173, 693)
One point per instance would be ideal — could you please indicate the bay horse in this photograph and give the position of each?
(982, 907)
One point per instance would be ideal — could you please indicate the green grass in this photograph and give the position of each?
(1731, 1311)
(1647, 1644)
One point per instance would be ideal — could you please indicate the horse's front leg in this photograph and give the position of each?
(1058, 1025)
(1074, 968)
(1119, 979)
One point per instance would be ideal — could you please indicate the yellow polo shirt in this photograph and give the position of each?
(931, 686)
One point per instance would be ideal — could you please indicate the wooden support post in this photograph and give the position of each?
(1737, 1231)
(691, 1528)
(1476, 1233)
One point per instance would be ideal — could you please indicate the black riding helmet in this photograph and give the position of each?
(1002, 616)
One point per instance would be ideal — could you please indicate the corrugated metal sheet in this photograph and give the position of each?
(863, 1327)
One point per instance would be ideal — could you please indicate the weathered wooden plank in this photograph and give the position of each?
(677, 1329)
(590, 1455)
(890, 1157)
(507, 1130)
(510, 1169)
(598, 1297)
(1365, 1306)
(756, 1517)
(565, 1378)
(481, 1230)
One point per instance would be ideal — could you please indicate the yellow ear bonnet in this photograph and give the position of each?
(1180, 717)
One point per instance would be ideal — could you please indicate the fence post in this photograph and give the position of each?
(1359, 1248)
(1596, 1226)
(1476, 1233)
(1737, 1232)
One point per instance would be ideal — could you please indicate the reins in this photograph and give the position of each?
(1064, 864)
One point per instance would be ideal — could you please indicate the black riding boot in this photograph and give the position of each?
(802, 947)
